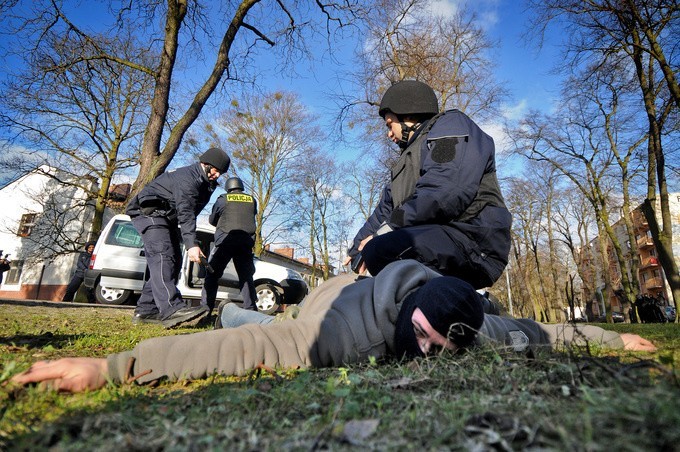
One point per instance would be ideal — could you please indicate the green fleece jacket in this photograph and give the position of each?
(346, 320)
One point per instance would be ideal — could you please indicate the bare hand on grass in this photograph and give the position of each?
(67, 374)
(636, 343)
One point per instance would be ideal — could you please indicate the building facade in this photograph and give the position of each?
(650, 274)
(41, 220)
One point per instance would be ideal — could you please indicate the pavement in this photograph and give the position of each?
(62, 304)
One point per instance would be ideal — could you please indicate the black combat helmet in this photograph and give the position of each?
(234, 183)
(409, 98)
(217, 158)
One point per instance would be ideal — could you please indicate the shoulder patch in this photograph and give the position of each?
(518, 340)
(444, 149)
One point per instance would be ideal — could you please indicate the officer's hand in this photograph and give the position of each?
(347, 260)
(364, 242)
(195, 254)
(67, 374)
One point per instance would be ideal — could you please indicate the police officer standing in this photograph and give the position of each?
(79, 275)
(443, 205)
(233, 215)
(173, 199)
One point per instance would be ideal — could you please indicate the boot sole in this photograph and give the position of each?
(185, 319)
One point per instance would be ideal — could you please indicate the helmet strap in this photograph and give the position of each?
(405, 132)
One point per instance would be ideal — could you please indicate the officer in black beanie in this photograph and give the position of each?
(163, 211)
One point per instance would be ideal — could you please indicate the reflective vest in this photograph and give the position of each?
(239, 213)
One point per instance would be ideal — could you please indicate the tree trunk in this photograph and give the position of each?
(606, 275)
(153, 161)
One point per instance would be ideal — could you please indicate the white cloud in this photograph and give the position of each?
(511, 113)
(444, 8)
(515, 112)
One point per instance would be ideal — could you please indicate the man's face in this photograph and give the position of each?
(213, 174)
(393, 127)
(429, 340)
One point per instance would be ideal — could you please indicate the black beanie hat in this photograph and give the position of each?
(452, 307)
(217, 158)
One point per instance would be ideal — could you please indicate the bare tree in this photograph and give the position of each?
(577, 144)
(267, 138)
(321, 207)
(529, 215)
(244, 27)
(86, 119)
(406, 39)
(572, 210)
(644, 34)
(365, 183)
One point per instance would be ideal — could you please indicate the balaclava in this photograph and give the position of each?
(451, 305)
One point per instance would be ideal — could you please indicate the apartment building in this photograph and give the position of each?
(652, 280)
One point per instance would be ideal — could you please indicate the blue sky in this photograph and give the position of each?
(523, 68)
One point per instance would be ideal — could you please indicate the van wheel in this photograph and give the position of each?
(107, 295)
(268, 298)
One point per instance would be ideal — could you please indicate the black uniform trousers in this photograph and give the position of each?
(73, 287)
(236, 245)
(160, 295)
(440, 247)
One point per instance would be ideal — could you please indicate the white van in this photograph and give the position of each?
(118, 265)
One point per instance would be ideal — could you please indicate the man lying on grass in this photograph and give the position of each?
(406, 311)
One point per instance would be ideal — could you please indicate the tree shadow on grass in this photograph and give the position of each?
(39, 341)
(176, 417)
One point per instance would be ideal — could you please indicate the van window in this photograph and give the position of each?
(123, 233)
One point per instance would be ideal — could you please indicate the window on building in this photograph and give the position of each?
(657, 274)
(26, 225)
(13, 275)
(652, 252)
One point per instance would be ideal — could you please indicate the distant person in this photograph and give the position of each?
(443, 205)
(79, 275)
(5, 265)
(406, 310)
(233, 215)
(165, 209)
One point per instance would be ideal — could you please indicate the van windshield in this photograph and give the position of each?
(123, 233)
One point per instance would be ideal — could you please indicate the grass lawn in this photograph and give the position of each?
(486, 399)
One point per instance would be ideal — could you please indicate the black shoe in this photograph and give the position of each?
(145, 318)
(184, 315)
(220, 308)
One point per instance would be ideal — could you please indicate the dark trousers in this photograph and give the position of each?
(160, 295)
(239, 247)
(439, 247)
(73, 287)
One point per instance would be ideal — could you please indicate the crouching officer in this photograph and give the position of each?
(233, 215)
(173, 199)
(443, 206)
